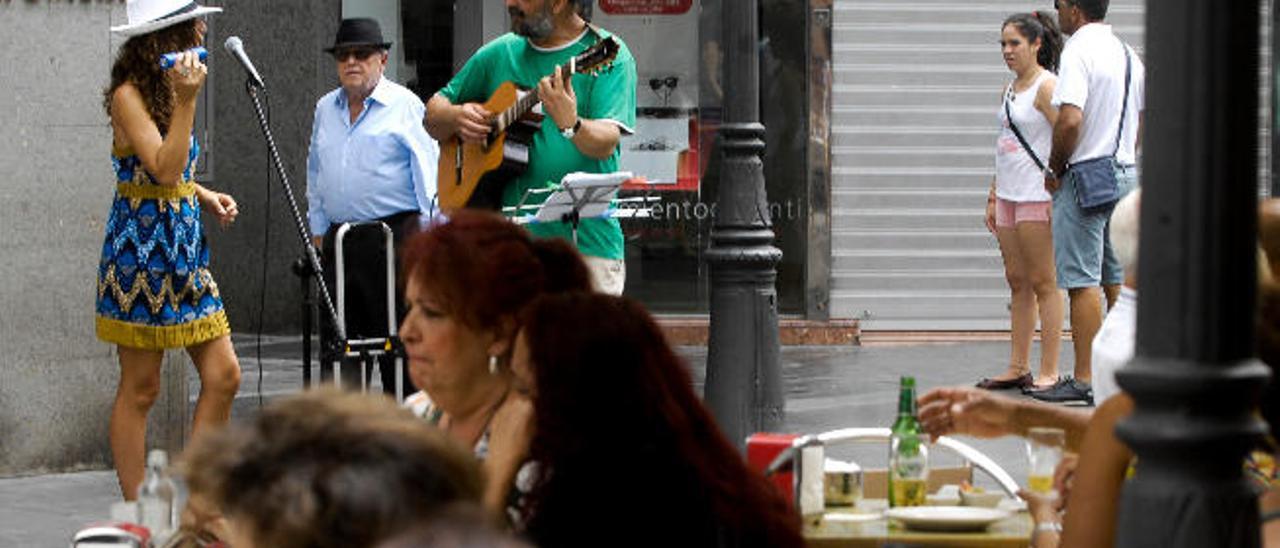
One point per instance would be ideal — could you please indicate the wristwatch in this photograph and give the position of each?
(1049, 174)
(569, 132)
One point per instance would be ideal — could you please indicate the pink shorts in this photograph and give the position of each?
(1009, 213)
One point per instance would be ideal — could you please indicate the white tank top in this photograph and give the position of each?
(1018, 179)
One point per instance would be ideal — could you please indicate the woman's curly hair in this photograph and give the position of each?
(137, 62)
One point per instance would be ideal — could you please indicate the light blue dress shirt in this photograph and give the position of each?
(383, 164)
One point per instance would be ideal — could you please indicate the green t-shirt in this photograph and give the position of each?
(609, 95)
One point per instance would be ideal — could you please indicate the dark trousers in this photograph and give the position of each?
(366, 297)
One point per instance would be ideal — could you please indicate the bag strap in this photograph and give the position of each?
(1124, 105)
(1018, 134)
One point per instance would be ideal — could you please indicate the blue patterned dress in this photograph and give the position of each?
(154, 286)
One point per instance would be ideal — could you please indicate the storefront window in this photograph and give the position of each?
(679, 61)
(664, 250)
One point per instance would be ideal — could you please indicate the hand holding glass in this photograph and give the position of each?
(1044, 451)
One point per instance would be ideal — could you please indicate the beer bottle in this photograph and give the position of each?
(908, 453)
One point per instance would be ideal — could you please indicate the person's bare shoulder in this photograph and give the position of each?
(125, 94)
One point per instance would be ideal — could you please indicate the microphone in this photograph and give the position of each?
(236, 48)
(167, 60)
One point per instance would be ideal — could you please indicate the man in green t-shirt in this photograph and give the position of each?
(583, 125)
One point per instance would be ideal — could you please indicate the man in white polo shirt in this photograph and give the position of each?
(1091, 98)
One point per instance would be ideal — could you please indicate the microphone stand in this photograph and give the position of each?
(302, 269)
(312, 258)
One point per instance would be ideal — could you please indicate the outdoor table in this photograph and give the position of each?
(1014, 531)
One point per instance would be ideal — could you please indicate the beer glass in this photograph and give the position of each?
(1044, 452)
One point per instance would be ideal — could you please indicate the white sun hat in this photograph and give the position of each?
(151, 15)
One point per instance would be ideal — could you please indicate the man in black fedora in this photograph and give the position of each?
(370, 160)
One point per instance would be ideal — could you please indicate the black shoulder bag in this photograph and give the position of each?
(1096, 185)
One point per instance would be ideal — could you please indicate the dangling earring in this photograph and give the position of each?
(493, 365)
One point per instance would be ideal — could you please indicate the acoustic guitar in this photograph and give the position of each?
(474, 174)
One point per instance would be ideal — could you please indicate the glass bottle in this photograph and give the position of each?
(908, 452)
(156, 497)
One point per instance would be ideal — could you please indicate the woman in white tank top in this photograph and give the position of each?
(1018, 205)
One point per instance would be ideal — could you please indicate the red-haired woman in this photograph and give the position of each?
(621, 437)
(466, 283)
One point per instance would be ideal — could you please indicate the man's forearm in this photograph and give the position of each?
(1066, 135)
(597, 138)
(1032, 414)
(1064, 144)
(1137, 140)
(442, 117)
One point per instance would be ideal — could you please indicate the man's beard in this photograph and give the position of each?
(535, 27)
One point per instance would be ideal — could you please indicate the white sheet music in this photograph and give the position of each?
(592, 193)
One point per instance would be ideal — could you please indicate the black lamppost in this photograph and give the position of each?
(1194, 379)
(744, 383)
(1275, 100)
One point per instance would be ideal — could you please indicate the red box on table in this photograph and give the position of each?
(762, 448)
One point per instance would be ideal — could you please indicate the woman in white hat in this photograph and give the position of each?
(154, 287)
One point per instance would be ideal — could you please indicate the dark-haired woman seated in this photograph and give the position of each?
(626, 452)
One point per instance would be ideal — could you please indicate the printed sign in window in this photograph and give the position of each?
(645, 7)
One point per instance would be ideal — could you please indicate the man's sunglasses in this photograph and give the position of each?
(359, 53)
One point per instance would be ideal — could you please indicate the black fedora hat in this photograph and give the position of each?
(359, 32)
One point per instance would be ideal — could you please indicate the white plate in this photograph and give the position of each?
(851, 518)
(1013, 506)
(946, 518)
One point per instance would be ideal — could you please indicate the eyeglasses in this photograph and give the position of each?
(360, 54)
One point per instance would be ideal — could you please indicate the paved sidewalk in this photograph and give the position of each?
(826, 388)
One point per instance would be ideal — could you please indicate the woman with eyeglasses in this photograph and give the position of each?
(1018, 206)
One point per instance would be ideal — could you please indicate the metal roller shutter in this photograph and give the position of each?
(916, 88)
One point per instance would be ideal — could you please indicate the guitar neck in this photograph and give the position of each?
(524, 104)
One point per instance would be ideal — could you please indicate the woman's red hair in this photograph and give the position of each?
(482, 267)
